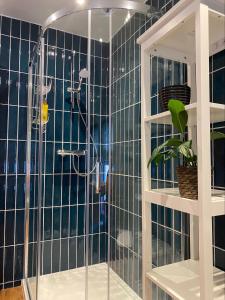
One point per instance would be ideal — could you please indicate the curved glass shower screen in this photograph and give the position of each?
(80, 247)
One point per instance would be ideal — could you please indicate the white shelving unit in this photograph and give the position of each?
(189, 33)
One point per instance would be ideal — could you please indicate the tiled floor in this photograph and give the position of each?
(12, 294)
(70, 285)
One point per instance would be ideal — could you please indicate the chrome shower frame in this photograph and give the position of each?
(74, 7)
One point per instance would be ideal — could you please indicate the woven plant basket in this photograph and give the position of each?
(188, 182)
(178, 92)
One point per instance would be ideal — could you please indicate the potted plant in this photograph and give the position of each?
(181, 148)
(181, 92)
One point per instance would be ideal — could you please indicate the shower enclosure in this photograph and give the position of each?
(69, 228)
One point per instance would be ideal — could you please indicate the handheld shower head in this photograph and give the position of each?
(84, 73)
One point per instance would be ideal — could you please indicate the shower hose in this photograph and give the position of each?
(91, 138)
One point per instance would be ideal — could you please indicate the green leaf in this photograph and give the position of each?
(179, 114)
(159, 158)
(170, 153)
(158, 154)
(216, 135)
(185, 149)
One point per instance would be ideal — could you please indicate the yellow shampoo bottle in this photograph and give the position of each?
(45, 111)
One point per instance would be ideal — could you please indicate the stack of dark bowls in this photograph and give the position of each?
(178, 92)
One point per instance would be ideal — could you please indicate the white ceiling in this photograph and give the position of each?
(37, 11)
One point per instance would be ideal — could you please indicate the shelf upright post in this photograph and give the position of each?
(146, 177)
(192, 135)
(204, 159)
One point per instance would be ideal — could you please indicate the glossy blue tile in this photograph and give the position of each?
(56, 222)
(177, 247)
(51, 61)
(47, 252)
(14, 89)
(74, 191)
(67, 127)
(56, 256)
(2, 194)
(177, 220)
(83, 45)
(76, 43)
(68, 41)
(21, 165)
(219, 258)
(19, 234)
(65, 222)
(65, 189)
(50, 127)
(80, 251)
(58, 125)
(60, 39)
(72, 251)
(9, 228)
(34, 32)
(25, 30)
(4, 53)
(20, 195)
(31, 260)
(57, 190)
(18, 265)
(23, 91)
(59, 95)
(219, 86)
(4, 76)
(51, 37)
(218, 60)
(3, 118)
(13, 116)
(48, 190)
(73, 220)
(68, 60)
(2, 228)
(81, 218)
(11, 191)
(59, 63)
(6, 25)
(98, 48)
(32, 225)
(8, 265)
(49, 157)
(47, 223)
(3, 165)
(15, 28)
(219, 161)
(168, 217)
(64, 255)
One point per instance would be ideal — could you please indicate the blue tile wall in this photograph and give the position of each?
(217, 78)
(126, 146)
(170, 229)
(17, 38)
(64, 198)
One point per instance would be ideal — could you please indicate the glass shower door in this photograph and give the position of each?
(85, 224)
(31, 196)
(63, 206)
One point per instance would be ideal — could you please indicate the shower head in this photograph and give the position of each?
(84, 73)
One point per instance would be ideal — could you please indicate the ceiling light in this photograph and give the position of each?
(100, 40)
(80, 2)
